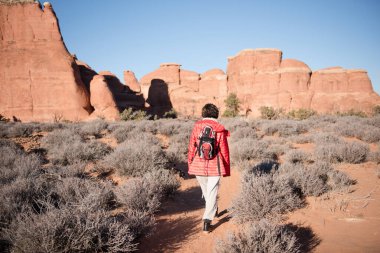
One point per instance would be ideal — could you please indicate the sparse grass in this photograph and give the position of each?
(261, 236)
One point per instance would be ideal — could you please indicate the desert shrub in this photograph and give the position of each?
(19, 130)
(309, 180)
(70, 229)
(169, 127)
(352, 112)
(350, 152)
(130, 114)
(3, 118)
(301, 139)
(233, 124)
(326, 138)
(358, 129)
(279, 149)
(264, 196)
(178, 147)
(250, 149)
(172, 114)
(301, 114)
(261, 236)
(297, 156)
(373, 121)
(137, 156)
(243, 132)
(67, 147)
(232, 103)
(15, 163)
(94, 127)
(268, 112)
(338, 180)
(284, 128)
(355, 152)
(376, 110)
(374, 156)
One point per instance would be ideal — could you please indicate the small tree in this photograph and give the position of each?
(233, 106)
(268, 112)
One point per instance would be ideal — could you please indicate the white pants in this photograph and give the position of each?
(209, 186)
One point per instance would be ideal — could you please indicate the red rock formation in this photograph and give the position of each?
(131, 81)
(102, 99)
(39, 79)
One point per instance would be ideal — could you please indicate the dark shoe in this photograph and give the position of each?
(206, 226)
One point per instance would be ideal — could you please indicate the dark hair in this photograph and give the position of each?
(210, 111)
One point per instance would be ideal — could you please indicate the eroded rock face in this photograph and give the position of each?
(39, 79)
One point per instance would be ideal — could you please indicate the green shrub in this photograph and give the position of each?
(268, 112)
(232, 106)
(352, 112)
(130, 114)
(301, 114)
(172, 114)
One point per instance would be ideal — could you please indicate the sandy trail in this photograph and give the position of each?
(179, 224)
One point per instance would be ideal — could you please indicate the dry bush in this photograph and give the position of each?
(94, 128)
(358, 128)
(284, 128)
(326, 138)
(14, 164)
(178, 147)
(68, 147)
(70, 229)
(250, 149)
(350, 152)
(137, 156)
(314, 179)
(18, 129)
(309, 180)
(301, 139)
(264, 196)
(233, 124)
(374, 157)
(145, 194)
(242, 133)
(262, 236)
(297, 156)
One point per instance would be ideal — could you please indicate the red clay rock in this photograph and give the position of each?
(39, 79)
(189, 79)
(102, 99)
(295, 76)
(131, 81)
(213, 83)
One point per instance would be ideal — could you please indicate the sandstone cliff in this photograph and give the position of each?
(39, 79)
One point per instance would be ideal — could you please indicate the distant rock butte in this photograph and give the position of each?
(41, 81)
(260, 77)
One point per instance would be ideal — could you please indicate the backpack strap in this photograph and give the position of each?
(217, 156)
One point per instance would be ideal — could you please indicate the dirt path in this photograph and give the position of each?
(179, 224)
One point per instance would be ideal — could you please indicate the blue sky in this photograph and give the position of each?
(138, 35)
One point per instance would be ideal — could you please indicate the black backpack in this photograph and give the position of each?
(207, 143)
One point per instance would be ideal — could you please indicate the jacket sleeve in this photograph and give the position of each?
(225, 152)
(192, 146)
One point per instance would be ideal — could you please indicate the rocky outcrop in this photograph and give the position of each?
(102, 99)
(39, 79)
(131, 81)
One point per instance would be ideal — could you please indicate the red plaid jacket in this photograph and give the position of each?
(201, 167)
